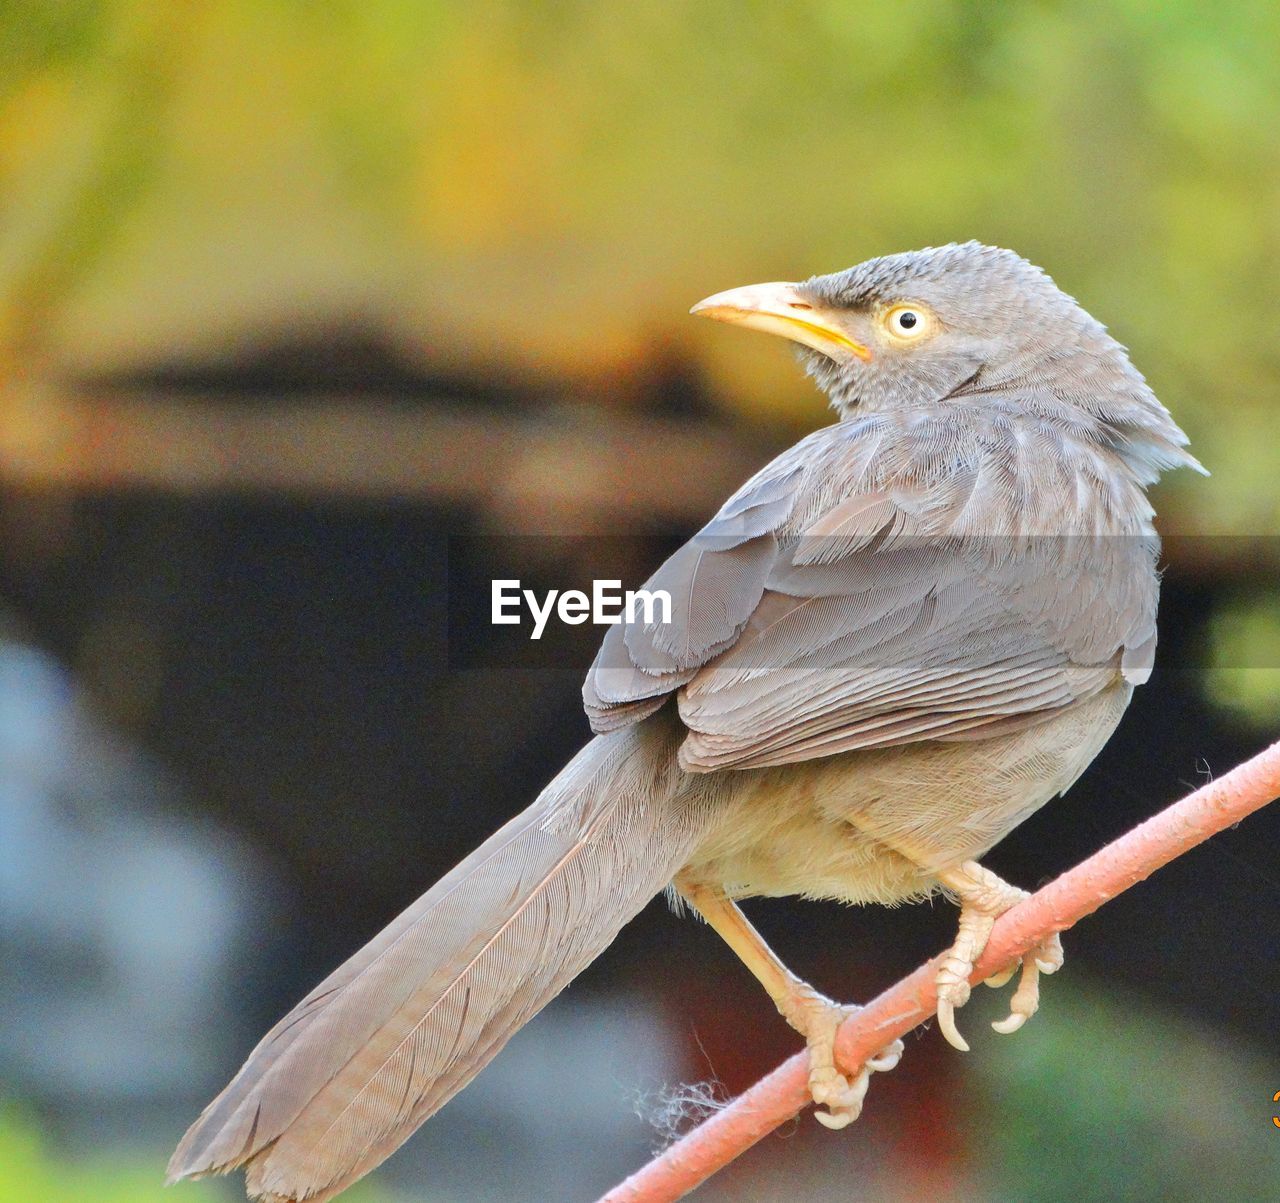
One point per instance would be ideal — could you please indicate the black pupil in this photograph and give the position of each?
(907, 320)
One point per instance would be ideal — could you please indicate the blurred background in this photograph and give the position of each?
(300, 303)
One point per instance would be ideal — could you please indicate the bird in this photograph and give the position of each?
(887, 649)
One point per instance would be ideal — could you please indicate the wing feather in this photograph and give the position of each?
(343, 1079)
(907, 584)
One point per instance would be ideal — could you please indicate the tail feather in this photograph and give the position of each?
(387, 1039)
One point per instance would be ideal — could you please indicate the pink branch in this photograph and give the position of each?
(1079, 892)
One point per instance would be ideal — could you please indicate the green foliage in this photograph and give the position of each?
(1243, 674)
(38, 36)
(31, 1171)
(1104, 1100)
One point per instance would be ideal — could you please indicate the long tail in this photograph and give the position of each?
(387, 1039)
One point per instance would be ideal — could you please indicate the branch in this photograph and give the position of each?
(781, 1095)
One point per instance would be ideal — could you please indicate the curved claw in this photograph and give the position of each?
(1049, 956)
(1009, 1024)
(1003, 978)
(842, 1098)
(947, 1026)
(887, 1058)
(1026, 998)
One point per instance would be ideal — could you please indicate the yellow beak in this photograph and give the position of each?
(779, 308)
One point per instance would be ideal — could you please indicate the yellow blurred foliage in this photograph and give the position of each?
(545, 188)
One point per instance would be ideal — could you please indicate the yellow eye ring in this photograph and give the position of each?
(908, 322)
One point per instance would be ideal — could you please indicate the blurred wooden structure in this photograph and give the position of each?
(559, 469)
(571, 467)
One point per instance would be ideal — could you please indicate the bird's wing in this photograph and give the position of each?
(850, 596)
(715, 582)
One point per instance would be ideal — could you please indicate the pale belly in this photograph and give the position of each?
(876, 826)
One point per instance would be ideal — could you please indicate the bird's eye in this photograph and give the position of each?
(907, 321)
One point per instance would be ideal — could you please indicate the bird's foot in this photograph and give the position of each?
(984, 897)
(818, 1019)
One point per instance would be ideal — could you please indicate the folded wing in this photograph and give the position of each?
(873, 598)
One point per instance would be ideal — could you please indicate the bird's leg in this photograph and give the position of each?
(813, 1015)
(984, 897)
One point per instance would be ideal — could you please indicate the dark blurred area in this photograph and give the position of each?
(313, 323)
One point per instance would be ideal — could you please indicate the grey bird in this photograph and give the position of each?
(889, 647)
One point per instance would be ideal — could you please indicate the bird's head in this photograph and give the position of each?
(960, 322)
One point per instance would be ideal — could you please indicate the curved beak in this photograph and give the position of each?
(780, 308)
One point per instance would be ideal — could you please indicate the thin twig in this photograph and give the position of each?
(1079, 892)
